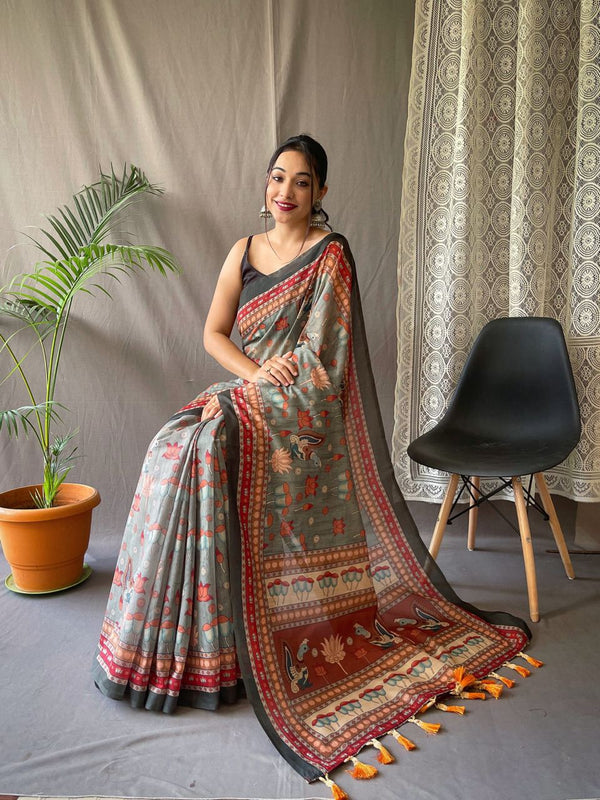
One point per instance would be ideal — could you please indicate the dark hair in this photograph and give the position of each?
(314, 153)
(315, 156)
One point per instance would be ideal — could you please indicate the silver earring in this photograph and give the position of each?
(318, 218)
(265, 213)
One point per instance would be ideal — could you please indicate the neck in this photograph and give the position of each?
(287, 241)
(290, 236)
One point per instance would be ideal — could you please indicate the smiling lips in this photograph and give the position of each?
(285, 206)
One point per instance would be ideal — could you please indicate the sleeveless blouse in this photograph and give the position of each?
(248, 271)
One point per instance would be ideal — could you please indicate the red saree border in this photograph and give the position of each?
(380, 501)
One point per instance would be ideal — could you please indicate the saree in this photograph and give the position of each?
(269, 550)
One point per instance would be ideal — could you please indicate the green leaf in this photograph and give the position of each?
(77, 259)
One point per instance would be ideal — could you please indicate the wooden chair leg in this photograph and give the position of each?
(528, 558)
(443, 515)
(554, 524)
(473, 512)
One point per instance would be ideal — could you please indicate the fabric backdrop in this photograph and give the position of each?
(196, 93)
(501, 206)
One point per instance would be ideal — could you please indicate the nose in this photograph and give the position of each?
(287, 188)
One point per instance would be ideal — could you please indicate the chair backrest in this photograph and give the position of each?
(517, 381)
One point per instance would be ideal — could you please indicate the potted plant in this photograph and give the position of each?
(37, 523)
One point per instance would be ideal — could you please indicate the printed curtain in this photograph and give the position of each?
(500, 206)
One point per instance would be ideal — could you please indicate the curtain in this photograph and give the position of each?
(500, 206)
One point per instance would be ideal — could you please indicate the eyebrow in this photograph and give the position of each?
(308, 175)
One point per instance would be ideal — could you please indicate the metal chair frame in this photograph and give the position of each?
(476, 501)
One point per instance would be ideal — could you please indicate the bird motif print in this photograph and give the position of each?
(296, 672)
(385, 638)
(303, 446)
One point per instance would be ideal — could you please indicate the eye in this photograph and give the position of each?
(303, 184)
(276, 178)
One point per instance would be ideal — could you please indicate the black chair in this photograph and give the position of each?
(514, 413)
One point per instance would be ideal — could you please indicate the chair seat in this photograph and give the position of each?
(466, 453)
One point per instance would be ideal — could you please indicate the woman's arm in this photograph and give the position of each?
(221, 318)
(220, 321)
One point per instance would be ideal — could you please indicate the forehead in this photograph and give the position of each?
(292, 161)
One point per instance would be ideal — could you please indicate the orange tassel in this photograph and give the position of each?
(463, 679)
(427, 706)
(508, 682)
(491, 688)
(472, 696)
(523, 671)
(429, 727)
(336, 792)
(361, 771)
(531, 660)
(453, 709)
(406, 743)
(384, 756)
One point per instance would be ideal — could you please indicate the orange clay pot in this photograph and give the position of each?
(45, 547)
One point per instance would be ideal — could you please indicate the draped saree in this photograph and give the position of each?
(272, 545)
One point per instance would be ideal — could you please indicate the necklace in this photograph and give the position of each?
(303, 242)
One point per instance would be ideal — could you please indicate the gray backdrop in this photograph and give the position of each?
(197, 93)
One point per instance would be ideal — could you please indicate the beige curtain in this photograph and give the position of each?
(197, 93)
(500, 206)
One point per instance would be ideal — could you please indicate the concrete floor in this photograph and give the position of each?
(59, 736)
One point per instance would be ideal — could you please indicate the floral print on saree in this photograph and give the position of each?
(277, 535)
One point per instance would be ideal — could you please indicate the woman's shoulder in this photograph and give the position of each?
(240, 246)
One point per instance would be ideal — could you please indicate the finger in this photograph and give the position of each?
(287, 364)
(280, 374)
(272, 378)
(291, 356)
(211, 414)
(285, 371)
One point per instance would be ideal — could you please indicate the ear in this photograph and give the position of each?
(323, 192)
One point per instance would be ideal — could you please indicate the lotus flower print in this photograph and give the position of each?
(333, 650)
(320, 378)
(281, 460)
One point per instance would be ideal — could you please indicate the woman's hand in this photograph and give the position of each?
(212, 409)
(278, 370)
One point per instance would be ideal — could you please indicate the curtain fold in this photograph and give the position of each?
(500, 206)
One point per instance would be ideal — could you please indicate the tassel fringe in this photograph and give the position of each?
(463, 681)
(471, 695)
(426, 706)
(336, 792)
(523, 671)
(490, 687)
(453, 709)
(406, 743)
(429, 727)
(508, 682)
(383, 756)
(531, 660)
(361, 771)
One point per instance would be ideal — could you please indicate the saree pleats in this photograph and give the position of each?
(274, 543)
(167, 635)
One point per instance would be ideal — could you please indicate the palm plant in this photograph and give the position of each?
(76, 255)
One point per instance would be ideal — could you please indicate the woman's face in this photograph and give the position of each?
(290, 194)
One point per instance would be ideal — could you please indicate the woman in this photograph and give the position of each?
(268, 539)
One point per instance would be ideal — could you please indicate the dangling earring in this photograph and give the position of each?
(265, 213)
(318, 218)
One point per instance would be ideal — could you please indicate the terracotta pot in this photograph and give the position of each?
(45, 547)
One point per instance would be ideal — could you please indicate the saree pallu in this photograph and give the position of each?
(272, 544)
